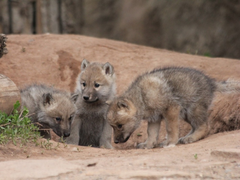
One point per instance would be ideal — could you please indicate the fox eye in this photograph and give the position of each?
(96, 85)
(70, 118)
(58, 119)
(84, 84)
(119, 126)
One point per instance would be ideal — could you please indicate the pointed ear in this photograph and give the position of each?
(84, 64)
(74, 97)
(122, 104)
(47, 98)
(108, 102)
(108, 69)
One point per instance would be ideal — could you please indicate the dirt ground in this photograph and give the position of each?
(55, 60)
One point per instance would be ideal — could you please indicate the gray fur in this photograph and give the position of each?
(171, 94)
(95, 86)
(46, 105)
(229, 86)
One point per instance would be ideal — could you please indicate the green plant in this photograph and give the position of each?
(62, 140)
(17, 127)
(46, 144)
(207, 54)
(195, 156)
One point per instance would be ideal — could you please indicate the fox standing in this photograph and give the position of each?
(95, 86)
(49, 107)
(171, 94)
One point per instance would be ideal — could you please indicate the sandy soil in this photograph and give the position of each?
(56, 59)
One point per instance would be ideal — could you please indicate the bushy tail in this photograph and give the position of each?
(3, 49)
(228, 86)
(224, 113)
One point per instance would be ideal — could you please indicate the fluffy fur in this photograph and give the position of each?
(50, 108)
(171, 94)
(95, 86)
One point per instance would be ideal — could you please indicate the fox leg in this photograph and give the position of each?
(199, 133)
(153, 133)
(171, 118)
(74, 135)
(105, 139)
(198, 120)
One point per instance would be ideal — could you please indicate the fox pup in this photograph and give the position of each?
(171, 94)
(95, 86)
(50, 108)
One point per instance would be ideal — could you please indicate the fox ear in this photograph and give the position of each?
(108, 102)
(74, 97)
(47, 98)
(122, 105)
(108, 69)
(84, 64)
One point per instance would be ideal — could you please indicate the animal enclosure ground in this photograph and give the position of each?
(55, 60)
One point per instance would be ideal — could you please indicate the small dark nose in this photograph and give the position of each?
(66, 134)
(86, 98)
(116, 140)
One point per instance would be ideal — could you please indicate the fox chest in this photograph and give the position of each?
(91, 130)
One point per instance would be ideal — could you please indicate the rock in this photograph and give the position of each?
(9, 94)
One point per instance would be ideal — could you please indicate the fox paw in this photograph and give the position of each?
(106, 146)
(166, 144)
(186, 140)
(144, 146)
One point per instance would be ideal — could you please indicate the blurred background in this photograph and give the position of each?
(203, 27)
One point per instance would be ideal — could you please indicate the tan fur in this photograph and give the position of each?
(224, 114)
(49, 107)
(170, 94)
(95, 87)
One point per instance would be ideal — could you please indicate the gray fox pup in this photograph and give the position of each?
(95, 86)
(171, 94)
(49, 107)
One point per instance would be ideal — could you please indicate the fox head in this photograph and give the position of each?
(56, 112)
(96, 82)
(122, 116)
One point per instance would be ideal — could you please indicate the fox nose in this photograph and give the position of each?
(66, 134)
(116, 140)
(86, 98)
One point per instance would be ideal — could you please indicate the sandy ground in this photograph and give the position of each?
(55, 60)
